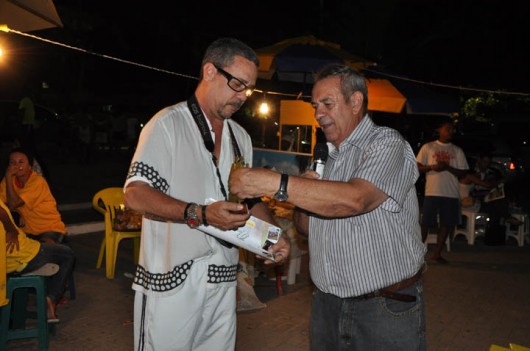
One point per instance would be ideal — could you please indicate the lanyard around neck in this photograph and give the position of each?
(202, 124)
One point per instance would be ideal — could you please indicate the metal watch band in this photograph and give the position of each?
(185, 216)
(191, 216)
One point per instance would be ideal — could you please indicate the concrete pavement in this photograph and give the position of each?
(481, 298)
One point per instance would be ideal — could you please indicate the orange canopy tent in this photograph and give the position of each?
(383, 96)
(28, 15)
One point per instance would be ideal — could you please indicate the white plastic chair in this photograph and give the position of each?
(475, 226)
(522, 232)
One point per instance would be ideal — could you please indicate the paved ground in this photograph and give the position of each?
(481, 298)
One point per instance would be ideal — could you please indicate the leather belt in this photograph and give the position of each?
(390, 291)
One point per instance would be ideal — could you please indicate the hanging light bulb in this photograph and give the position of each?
(264, 108)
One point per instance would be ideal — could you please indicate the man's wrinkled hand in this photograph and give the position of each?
(249, 183)
(227, 215)
(281, 250)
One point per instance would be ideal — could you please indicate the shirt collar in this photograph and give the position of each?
(359, 137)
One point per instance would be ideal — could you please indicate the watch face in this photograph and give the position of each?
(193, 222)
(280, 196)
(191, 217)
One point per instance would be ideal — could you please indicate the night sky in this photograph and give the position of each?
(457, 43)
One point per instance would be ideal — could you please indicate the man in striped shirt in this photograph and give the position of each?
(366, 252)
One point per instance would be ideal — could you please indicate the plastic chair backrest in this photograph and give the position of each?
(106, 201)
(112, 197)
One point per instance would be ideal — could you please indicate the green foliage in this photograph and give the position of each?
(480, 108)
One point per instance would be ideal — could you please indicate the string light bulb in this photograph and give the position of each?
(264, 108)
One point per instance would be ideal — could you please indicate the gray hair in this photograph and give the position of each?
(350, 81)
(223, 50)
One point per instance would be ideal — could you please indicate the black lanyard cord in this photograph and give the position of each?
(200, 120)
(202, 124)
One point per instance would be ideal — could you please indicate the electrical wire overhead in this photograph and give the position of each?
(295, 96)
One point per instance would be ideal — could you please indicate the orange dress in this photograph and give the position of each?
(39, 212)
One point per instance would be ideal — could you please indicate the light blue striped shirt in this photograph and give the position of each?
(357, 255)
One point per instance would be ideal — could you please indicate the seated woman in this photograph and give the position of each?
(15, 143)
(28, 194)
(25, 255)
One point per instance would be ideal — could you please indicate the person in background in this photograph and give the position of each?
(365, 248)
(443, 164)
(26, 111)
(25, 255)
(474, 179)
(24, 133)
(185, 282)
(27, 193)
(485, 172)
(497, 210)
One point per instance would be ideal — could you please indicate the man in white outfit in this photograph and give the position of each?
(443, 163)
(186, 280)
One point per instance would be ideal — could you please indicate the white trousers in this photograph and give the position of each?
(199, 317)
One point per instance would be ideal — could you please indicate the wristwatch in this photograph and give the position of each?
(281, 194)
(190, 215)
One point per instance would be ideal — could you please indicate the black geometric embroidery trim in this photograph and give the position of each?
(222, 274)
(142, 169)
(162, 281)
